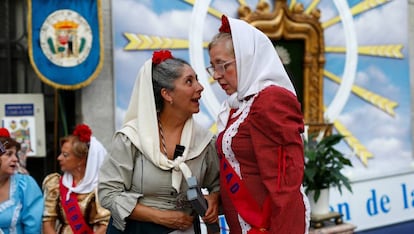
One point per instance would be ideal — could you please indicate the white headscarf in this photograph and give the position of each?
(96, 156)
(258, 66)
(141, 127)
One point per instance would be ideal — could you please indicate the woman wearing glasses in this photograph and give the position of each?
(259, 142)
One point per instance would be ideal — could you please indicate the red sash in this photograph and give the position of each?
(243, 201)
(73, 213)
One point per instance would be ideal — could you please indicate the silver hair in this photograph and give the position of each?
(222, 37)
(163, 76)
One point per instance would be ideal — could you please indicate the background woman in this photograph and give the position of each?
(142, 181)
(71, 204)
(260, 125)
(21, 199)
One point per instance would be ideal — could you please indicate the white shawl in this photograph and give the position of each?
(96, 155)
(258, 66)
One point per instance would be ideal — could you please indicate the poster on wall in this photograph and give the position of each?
(366, 79)
(23, 130)
(23, 116)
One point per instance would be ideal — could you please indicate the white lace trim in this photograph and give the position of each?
(230, 132)
(307, 209)
(9, 203)
(16, 214)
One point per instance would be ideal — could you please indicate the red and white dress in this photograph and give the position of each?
(262, 143)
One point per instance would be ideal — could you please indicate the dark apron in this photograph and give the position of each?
(134, 227)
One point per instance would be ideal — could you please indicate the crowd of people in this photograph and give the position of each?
(250, 171)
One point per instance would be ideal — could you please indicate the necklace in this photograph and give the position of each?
(164, 148)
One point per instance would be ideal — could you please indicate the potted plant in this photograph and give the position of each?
(323, 165)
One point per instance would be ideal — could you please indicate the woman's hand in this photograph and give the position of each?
(175, 219)
(211, 215)
(169, 218)
(100, 229)
(49, 227)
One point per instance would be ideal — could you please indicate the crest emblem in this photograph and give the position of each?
(65, 38)
(65, 41)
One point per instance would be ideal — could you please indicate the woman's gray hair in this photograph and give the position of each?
(222, 36)
(163, 76)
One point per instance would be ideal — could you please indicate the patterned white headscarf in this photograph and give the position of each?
(96, 156)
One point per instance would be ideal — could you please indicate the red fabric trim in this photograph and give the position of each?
(73, 213)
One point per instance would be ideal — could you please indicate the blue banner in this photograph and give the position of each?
(65, 40)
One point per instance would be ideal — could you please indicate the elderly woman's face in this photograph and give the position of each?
(68, 161)
(224, 64)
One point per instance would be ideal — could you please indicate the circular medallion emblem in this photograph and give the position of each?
(66, 38)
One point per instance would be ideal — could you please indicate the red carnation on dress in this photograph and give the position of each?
(160, 56)
(4, 132)
(225, 25)
(83, 132)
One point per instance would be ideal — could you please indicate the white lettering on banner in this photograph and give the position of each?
(377, 202)
(374, 203)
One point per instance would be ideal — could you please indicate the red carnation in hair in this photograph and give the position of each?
(225, 25)
(4, 132)
(83, 132)
(160, 56)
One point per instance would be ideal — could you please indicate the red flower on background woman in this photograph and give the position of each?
(160, 56)
(4, 132)
(83, 132)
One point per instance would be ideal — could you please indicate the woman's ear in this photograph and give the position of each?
(166, 95)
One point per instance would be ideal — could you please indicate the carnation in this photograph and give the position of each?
(4, 132)
(83, 132)
(160, 56)
(225, 25)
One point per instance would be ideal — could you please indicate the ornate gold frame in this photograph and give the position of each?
(295, 24)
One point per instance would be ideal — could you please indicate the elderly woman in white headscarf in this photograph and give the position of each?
(259, 141)
(71, 203)
(143, 182)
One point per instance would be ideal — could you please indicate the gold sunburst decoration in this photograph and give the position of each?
(150, 42)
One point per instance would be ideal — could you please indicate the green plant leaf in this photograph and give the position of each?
(323, 165)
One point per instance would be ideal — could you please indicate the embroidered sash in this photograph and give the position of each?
(73, 213)
(242, 199)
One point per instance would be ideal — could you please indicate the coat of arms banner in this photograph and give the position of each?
(65, 40)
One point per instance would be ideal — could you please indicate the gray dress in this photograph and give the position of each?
(127, 177)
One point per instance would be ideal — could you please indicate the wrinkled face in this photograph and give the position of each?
(9, 162)
(68, 161)
(224, 64)
(187, 92)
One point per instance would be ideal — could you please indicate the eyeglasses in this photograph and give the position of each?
(220, 67)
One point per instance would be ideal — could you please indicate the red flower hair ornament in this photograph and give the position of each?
(4, 132)
(225, 25)
(160, 56)
(83, 132)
